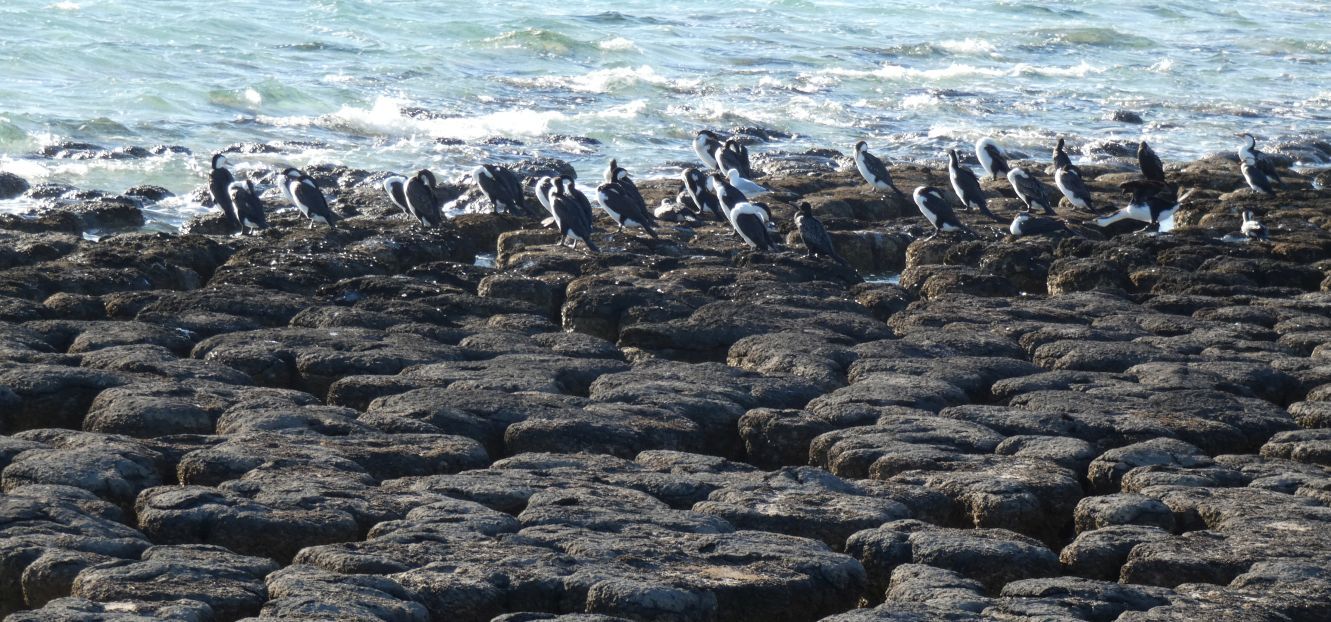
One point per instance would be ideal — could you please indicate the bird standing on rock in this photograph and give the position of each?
(307, 197)
(695, 184)
(500, 186)
(1151, 202)
(574, 225)
(1268, 168)
(873, 169)
(991, 157)
(1152, 168)
(1256, 177)
(421, 201)
(1061, 159)
(934, 207)
(1029, 190)
(705, 144)
(750, 222)
(814, 234)
(247, 205)
(219, 188)
(967, 186)
(393, 186)
(1069, 182)
(622, 208)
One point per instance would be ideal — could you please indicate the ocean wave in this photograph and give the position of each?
(1092, 37)
(538, 40)
(618, 44)
(969, 46)
(959, 70)
(609, 80)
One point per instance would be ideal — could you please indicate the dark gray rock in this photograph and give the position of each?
(1106, 471)
(1100, 553)
(231, 584)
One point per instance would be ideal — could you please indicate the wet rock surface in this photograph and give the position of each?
(365, 424)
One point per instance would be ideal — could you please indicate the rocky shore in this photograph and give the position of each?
(368, 423)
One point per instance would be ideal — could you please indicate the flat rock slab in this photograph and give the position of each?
(231, 584)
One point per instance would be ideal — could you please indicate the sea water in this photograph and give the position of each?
(405, 84)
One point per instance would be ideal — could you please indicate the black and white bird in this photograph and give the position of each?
(573, 223)
(750, 222)
(967, 186)
(307, 197)
(542, 188)
(1069, 182)
(1151, 203)
(500, 186)
(677, 210)
(705, 144)
(933, 205)
(1249, 148)
(1029, 190)
(1256, 177)
(581, 199)
(1252, 228)
(1026, 223)
(422, 204)
(873, 169)
(695, 184)
(1152, 168)
(622, 208)
(219, 188)
(727, 195)
(731, 157)
(248, 207)
(1061, 159)
(741, 156)
(991, 157)
(617, 174)
(814, 235)
(393, 186)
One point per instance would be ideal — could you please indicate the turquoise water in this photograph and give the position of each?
(914, 77)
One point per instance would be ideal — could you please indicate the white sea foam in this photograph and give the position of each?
(609, 80)
(618, 44)
(66, 6)
(920, 101)
(961, 70)
(969, 46)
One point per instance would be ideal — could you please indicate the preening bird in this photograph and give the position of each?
(1061, 159)
(695, 184)
(1029, 190)
(248, 207)
(991, 157)
(873, 169)
(814, 234)
(705, 144)
(422, 204)
(1256, 177)
(933, 206)
(967, 186)
(393, 187)
(1151, 202)
(500, 186)
(544, 186)
(1251, 227)
(727, 195)
(1152, 168)
(584, 204)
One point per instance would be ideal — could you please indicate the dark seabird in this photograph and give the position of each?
(219, 188)
(248, 206)
(967, 186)
(1150, 164)
(1061, 159)
(308, 198)
(500, 186)
(1029, 190)
(750, 222)
(677, 210)
(1256, 177)
(933, 205)
(705, 144)
(1069, 182)
(421, 201)
(1252, 228)
(574, 224)
(741, 157)
(991, 157)
(622, 208)
(630, 189)
(1025, 223)
(814, 234)
(1151, 202)
(727, 195)
(393, 187)
(695, 183)
(581, 199)
(873, 169)
(1264, 162)
(685, 201)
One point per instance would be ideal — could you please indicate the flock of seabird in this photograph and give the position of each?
(723, 189)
